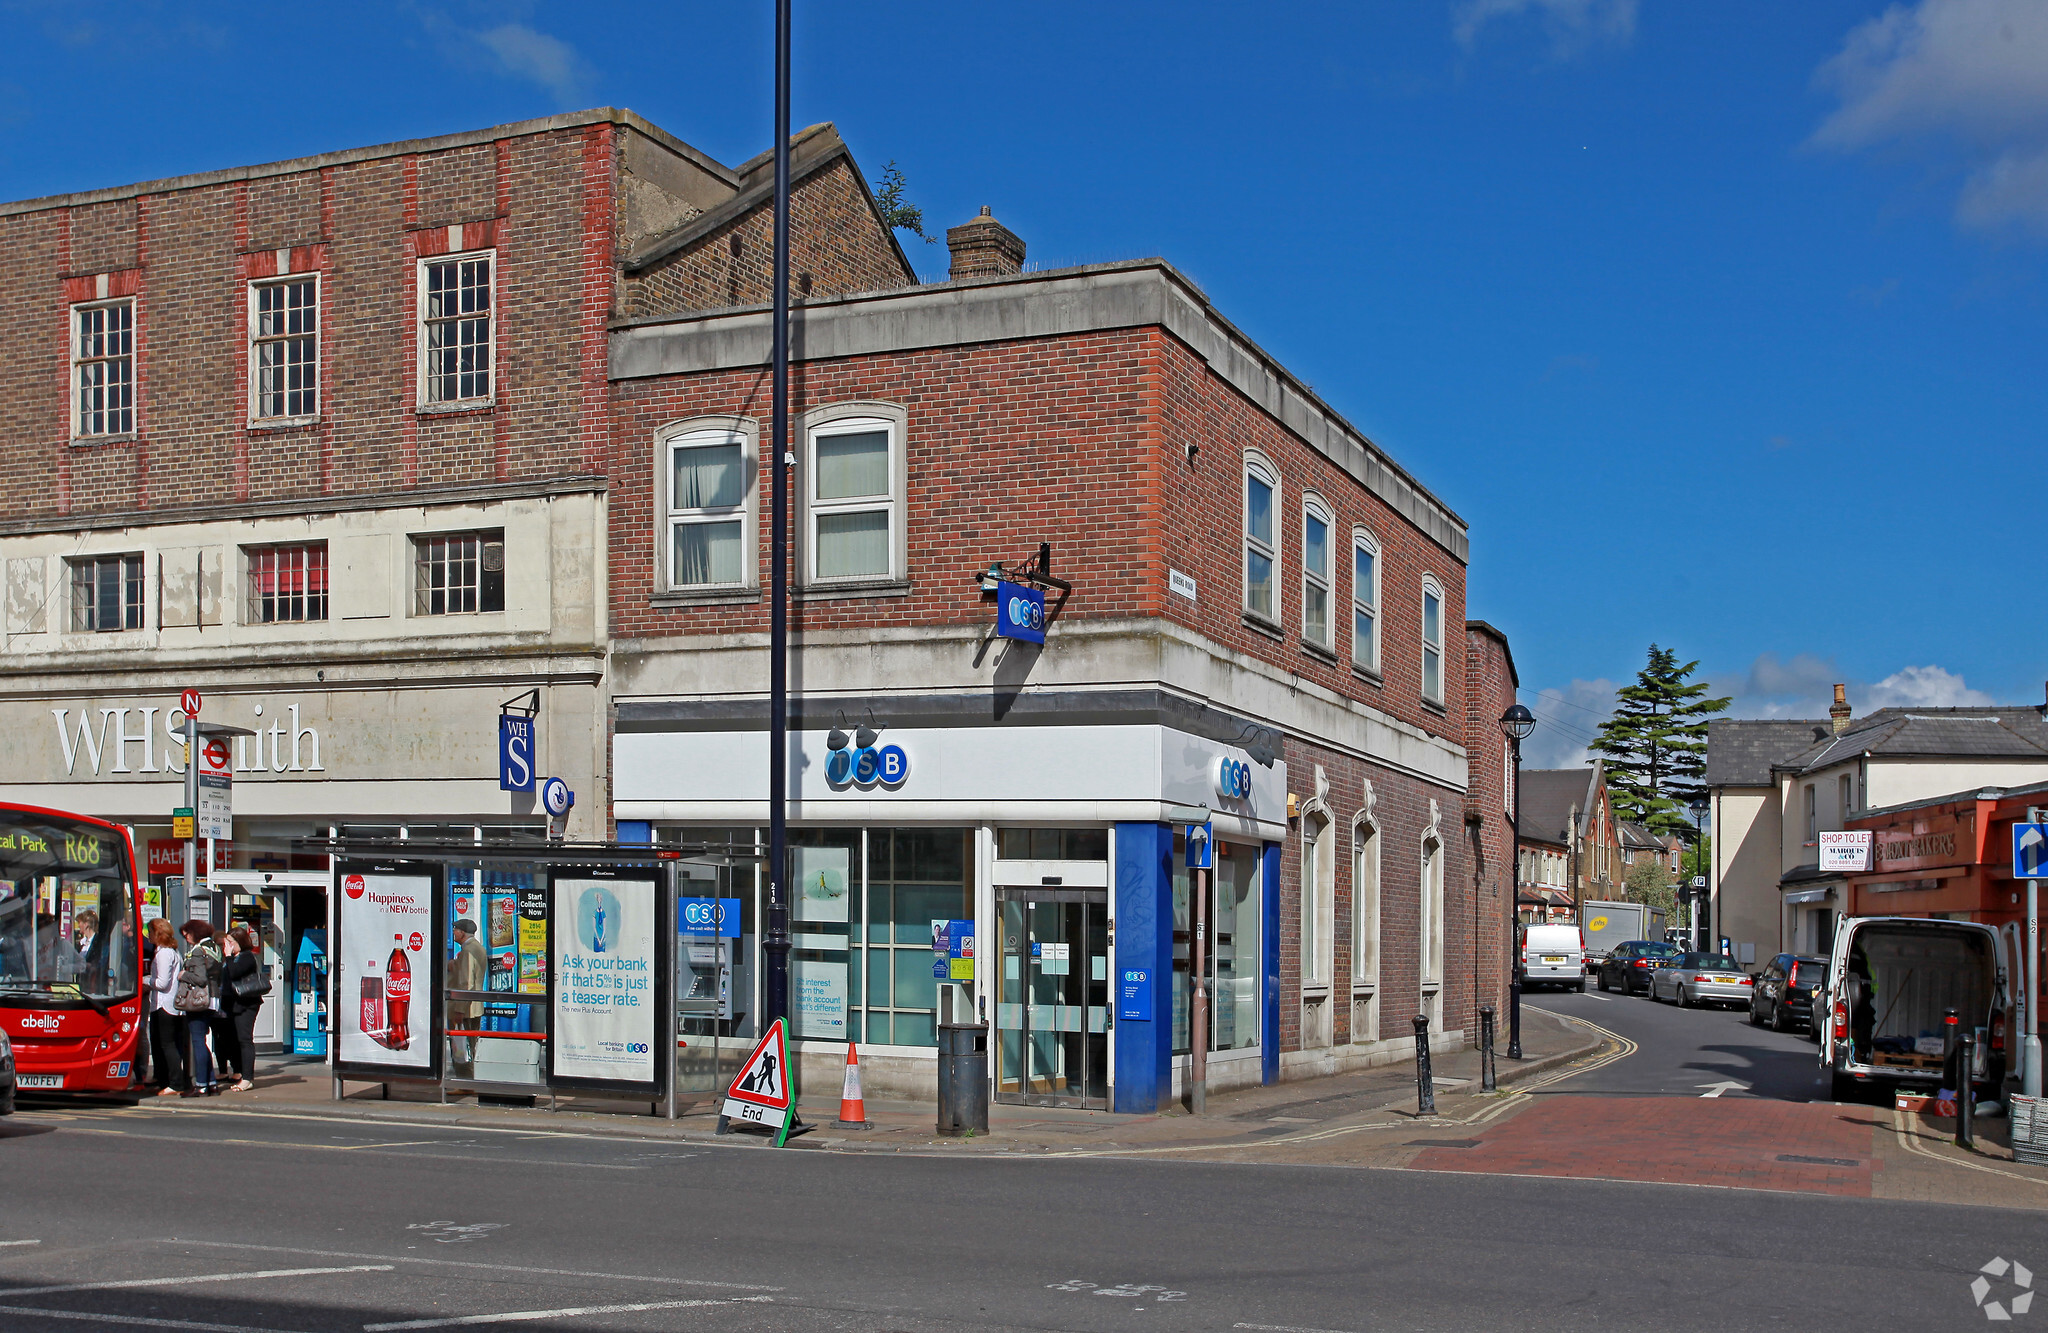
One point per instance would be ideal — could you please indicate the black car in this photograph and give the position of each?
(1628, 967)
(1785, 992)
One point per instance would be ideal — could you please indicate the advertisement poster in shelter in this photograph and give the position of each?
(387, 973)
(603, 1012)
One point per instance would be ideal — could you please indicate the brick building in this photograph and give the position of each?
(367, 445)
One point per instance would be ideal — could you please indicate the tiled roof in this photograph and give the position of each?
(1962, 733)
(1548, 795)
(1742, 752)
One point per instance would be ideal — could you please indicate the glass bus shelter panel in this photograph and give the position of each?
(1052, 1017)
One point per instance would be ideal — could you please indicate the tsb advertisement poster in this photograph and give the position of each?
(387, 970)
(603, 1026)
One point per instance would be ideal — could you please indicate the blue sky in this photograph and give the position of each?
(1722, 325)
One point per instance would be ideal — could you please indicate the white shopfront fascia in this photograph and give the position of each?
(957, 775)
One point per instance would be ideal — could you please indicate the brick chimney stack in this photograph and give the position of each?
(984, 248)
(1839, 710)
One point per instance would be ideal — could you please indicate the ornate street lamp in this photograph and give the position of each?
(1698, 892)
(1515, 724)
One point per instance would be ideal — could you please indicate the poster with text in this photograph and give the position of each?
(820, 986)
(821, 882)
(604, 967)
(386, 970)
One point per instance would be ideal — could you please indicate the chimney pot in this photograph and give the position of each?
(1840, 710)
(984, 248)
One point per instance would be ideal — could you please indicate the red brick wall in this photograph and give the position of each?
(1490, 691)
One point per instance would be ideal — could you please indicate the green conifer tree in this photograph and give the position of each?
(1656, 743)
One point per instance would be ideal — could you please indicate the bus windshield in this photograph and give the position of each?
(67, 912)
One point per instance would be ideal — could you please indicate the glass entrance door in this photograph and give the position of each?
(1052, 1010)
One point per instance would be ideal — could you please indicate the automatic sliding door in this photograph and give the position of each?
(1052, 1040)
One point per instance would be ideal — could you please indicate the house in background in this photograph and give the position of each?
(1776, 785)
(1571, 842)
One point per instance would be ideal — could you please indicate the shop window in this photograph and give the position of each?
(103, 368)
(915, 877)
(853, 495)
(456, 329)
(1261, 551)
(1235, 946)
(710, 541)
(458, 573)
(1365, 601)
(284, 348)
(1052, 844)
(106, 593)
(1315, 573)
(287, 584)
(1432, 641)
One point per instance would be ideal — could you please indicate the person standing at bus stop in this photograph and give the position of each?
(166, 1024)
(470, 971)
(244, 983)
(197, 998)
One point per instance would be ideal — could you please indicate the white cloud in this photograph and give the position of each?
(1967, 77)
(530, 54)
(1805, 686)
(1571, 25)
(1924, 687)
(1566, 720)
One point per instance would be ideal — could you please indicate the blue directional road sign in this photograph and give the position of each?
(2030, 851)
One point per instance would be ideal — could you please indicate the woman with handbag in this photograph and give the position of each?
(244, 983)
(198, 992)
(166, 1024)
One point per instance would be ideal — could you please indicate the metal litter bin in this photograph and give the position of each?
(963, 1079)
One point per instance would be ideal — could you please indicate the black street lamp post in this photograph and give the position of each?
(1516, 723)
(775, 942)
(1697, 893)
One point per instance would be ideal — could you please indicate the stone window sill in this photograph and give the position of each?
(282, 423)
(94, 441)
(843, 592)
(471, 408)
(1320, 653)
(1270, 628)
(1372, 678)
(707, 597)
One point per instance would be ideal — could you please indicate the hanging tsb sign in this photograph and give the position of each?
(1020, 612)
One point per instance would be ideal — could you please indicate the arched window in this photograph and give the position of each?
(1432, 913)
(1365, 927)
(1365, 601)
(1261, 539)
(1315, 572)
(1432, 640)
(708, 468)
(1318, 894)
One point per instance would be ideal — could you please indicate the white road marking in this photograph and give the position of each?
(470, 1263)
(1725, 1085)
(1285, 1328)
(373, 1149)
(20, 1242)
(519, 1316)
(135, 1320)
(181, 1280)
(1907, 1141)
(1595, 995)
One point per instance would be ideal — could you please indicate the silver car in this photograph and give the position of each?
(1701, 978)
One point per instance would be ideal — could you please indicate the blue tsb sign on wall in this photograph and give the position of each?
(1020, 612)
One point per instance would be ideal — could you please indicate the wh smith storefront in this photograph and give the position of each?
(1049, 859)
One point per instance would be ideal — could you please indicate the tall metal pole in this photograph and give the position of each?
(1515, 892)
(776, 944)
(2030, 977)
(191, 803)
(1198, 1017)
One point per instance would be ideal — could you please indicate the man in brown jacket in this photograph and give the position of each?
(469, 971)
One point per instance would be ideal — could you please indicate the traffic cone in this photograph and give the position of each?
(853, 1112)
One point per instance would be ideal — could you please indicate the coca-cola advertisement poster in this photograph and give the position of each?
(605, 999)
(386, 969)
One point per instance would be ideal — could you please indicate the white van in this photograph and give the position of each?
(1891, 983)
(1554, 955)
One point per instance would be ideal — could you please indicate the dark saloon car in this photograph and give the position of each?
(1628, 967)
(1785, 991)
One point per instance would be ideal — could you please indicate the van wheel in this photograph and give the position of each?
(1582, 986)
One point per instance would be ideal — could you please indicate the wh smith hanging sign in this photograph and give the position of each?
(1020, 612)
(515, 752)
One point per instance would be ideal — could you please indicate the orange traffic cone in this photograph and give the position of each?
(853, 1112)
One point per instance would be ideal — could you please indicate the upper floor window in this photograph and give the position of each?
(103, 368)
(284, 348)
(1365, 601)
(1432, 641)
(854, 497)
(106, 593)
(1315, 574)
(711, 474)
(1812, 817)
(287, 584)
(455, 328)
(458, 573)
(1848, 795)
(1261, 550)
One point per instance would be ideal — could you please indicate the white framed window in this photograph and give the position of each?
(1848, 795)
(1315, 572)
(709, 519)
(458, 573)
(287, 584)
(284, 348)
(1365, 903)
(103, 368)
(1318, 898)
(1261, 541)
(1812, 817)
(853, 493)
(457, 331)
(106, 593)
(1365, 601)
(1432, 913)
(1432, 640)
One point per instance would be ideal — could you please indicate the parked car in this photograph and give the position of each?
(1554, 956)
(1700, 978)
(1891, 982)
(1784, 991)
(1628, 965)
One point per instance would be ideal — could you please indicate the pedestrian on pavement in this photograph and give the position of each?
(244, 983)
(198, 998)
(469, 971)
(166, 1024)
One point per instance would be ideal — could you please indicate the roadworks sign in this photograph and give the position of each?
(760, 1093)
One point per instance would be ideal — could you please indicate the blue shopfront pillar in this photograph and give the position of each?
(1144, 946)
(1269, 968)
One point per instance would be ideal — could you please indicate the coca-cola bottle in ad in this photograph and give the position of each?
(373, 1010)
(398, 996)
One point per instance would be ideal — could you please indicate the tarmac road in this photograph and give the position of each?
(305, 1224)
(1684, 1052)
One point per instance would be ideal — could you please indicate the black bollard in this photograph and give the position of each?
(1515, 1014)
(1425, 1083)
(1966, 1095)
(1488, 1081)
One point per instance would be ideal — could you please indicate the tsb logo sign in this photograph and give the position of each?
(1233, 779)
(867, 766)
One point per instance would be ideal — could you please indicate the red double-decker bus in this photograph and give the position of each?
(70, 953)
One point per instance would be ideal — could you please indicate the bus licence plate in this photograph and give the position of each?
(39, 1080)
